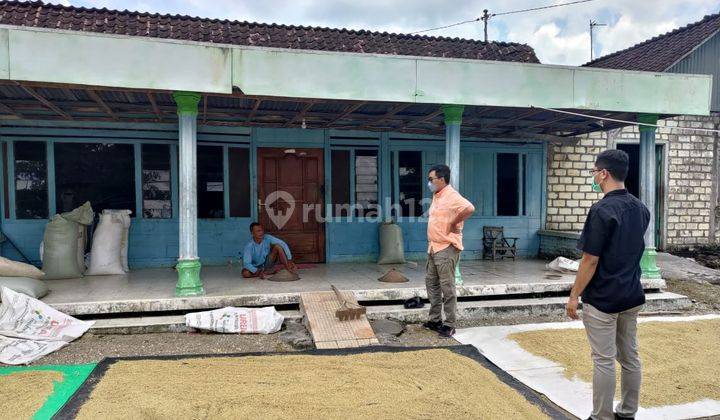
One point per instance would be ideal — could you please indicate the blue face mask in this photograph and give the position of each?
(431, 187)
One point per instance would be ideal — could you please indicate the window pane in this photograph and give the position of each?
(239, 181)
(366, 182)
(6, 189)
(507, 184)
(103, 174)
(210, 182)
(157, 198)
(411, 183)
(31, 194)
(340, 163)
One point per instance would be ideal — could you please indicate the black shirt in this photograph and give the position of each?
(614, 231)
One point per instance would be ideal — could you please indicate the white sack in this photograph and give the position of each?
(105, 252)
(237, 320)
(563, 265)
(125, 217)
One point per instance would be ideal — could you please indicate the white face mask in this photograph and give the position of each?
(432, 186)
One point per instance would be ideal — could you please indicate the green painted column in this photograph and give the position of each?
(648, 263)
(188, 266)
(453, 121)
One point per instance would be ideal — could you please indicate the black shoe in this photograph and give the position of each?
(619, 417)
(432, 325)
(446, 331)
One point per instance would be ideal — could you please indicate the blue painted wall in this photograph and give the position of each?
(154, 242)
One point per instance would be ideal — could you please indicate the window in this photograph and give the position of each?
(239, 159)
(366, 182)
(6, 189)
(340, 182)
(364, 171)
(511, 168)
(31, 189)
(103, 174)
(410, 183)
(210, 186)
(157, 196)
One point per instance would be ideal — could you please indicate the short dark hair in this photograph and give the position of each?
(253, 224)
(616, 162)
(441, 171)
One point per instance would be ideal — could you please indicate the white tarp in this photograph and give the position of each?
(548, 377)
(30, 329)
(237, 320)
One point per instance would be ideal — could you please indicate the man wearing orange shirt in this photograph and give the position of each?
(448, 211)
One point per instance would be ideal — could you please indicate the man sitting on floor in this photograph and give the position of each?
(263, 253)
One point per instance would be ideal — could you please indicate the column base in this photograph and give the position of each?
(189, 283)
(648, 264)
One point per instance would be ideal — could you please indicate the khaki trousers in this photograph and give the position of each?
(440, 284)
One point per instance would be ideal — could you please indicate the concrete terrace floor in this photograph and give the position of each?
(153, 290)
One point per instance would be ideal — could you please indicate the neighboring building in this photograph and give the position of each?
(687, 209)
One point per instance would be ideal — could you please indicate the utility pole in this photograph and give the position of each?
(485, 17)
(593, 24)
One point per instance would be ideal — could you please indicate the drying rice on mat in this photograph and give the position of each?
(679, 359)
(409, 384)
(23, 393)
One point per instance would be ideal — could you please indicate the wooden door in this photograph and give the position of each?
(290, 199)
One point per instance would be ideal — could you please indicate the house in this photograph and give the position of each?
(202, 126)
(686, 208)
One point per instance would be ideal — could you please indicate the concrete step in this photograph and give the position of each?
(467, 310)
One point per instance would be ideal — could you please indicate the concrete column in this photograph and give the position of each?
(188, 266)
(648, 169)
(453, 120)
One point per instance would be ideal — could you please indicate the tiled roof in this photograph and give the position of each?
(39, 14)
(660, 53)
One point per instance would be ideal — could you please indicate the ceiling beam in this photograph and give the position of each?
(516, 118)
(348, 110)
(6, 109)
(420, 120)
(254, 110)
(391, 112)
(155, 107)
(45, 102)
(300, 115)
(96, 97)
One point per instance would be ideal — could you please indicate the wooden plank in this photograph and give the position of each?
(327, 331)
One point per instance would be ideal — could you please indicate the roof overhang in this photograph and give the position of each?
(68, 57)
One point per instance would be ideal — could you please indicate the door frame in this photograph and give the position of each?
(321, 239)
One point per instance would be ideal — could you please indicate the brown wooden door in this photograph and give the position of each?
(290, 194)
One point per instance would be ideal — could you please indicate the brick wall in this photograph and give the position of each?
(691, 187)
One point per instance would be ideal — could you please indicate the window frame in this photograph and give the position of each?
(352, 215)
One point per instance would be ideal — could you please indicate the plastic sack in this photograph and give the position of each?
(83, 216)
(563, 265)
(107, 241)
(32, 287)
(82, 242)
(392, 249)
(60, 249)
(30, 329)
(10, 268)
(237, 320)
(124, 215)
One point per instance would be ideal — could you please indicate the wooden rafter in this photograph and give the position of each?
(45, 102)
(6, 109)
(300, 115)
(205, 101)
(391, 112)
(155, 107)
(517, 118)
(420, 120)
(96, 97)
(347, 111)
(255, 107)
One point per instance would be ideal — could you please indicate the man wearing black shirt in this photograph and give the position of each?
(608, 280)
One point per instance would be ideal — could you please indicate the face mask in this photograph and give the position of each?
(431, 186)
(596, 186)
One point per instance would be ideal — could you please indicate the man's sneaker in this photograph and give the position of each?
(619, 417)
(446, 331)
(432, 325)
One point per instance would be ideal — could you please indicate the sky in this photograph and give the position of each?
(559, 35)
